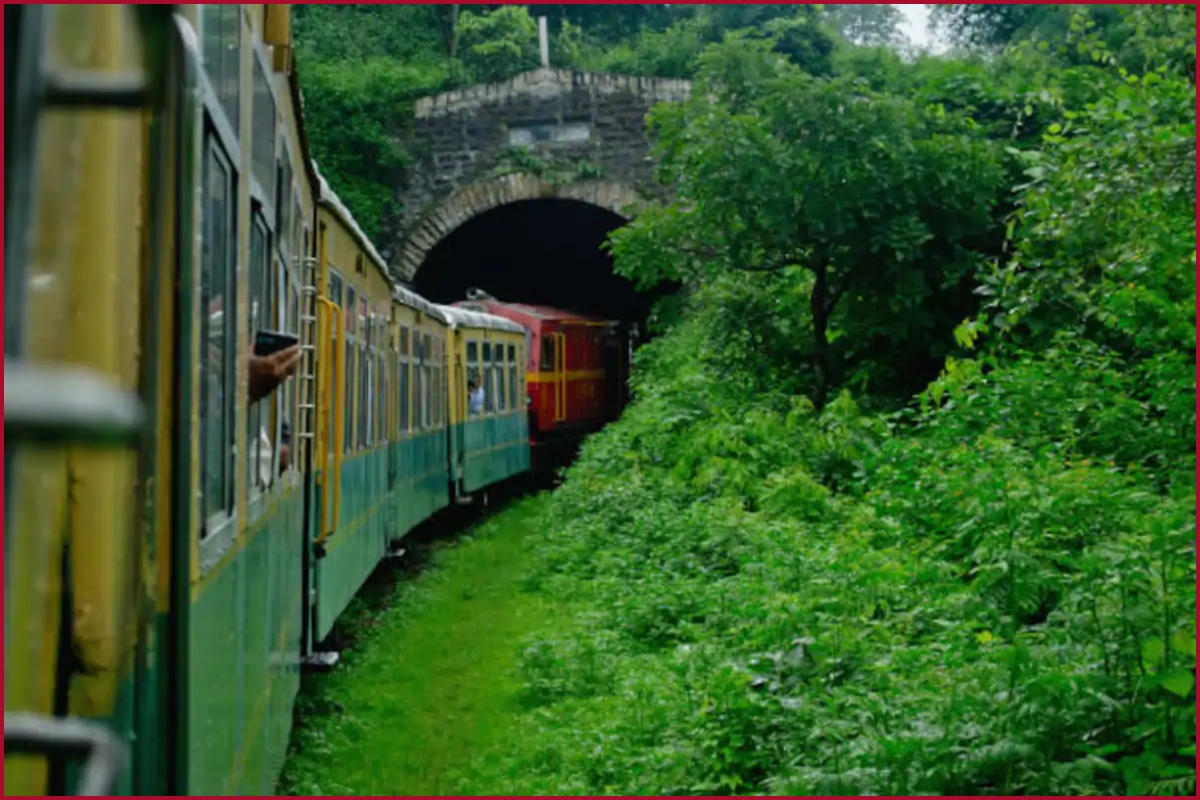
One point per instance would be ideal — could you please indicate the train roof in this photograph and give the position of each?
(414, 300)
(463, 318)
(532, 311)
(328, 198)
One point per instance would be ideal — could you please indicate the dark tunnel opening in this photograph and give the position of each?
(545, 252)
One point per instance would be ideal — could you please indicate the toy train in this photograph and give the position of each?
(175, 549)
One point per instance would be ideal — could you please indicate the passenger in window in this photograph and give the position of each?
(475, 395)
(267, 373)
(285, 446)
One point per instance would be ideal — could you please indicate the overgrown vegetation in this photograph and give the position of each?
(905, 503)
(988, 591)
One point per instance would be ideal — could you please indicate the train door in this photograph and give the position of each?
(554, 356)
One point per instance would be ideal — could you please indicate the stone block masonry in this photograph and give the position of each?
(485, 146)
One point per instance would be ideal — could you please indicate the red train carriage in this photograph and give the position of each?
(576, 374)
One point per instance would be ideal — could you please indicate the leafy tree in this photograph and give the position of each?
(887, 206)
(866, 23)
(499, 44)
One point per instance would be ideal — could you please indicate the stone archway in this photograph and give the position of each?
(478, 198)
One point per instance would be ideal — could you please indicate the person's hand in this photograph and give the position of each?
(267, 372)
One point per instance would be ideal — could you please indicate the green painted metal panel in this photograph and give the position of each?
(386, 492)
(494, 449)
(245, 637)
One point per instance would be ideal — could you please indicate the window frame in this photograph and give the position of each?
(267, 282)
(217, 525)
(403, 386)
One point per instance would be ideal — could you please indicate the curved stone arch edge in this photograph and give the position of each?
(472, 201)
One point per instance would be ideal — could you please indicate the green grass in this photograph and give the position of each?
(430, 685)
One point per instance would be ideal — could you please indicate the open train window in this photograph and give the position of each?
(473, 376)
(218, 338)
(260, 434)
(547, 351)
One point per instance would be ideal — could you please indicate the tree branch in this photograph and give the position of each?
(834, 297)
(710, 253)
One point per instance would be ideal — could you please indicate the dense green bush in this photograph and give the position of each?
(991, 591)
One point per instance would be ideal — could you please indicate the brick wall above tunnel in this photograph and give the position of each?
(545, 133)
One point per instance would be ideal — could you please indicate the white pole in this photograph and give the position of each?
(544, 42)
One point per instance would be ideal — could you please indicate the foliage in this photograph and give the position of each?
(990, 591)
(866, 23)
(888, 205)
(496, 45)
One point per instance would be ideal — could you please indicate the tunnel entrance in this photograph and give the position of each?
(544, 252)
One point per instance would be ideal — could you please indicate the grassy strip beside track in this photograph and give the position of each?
(430, 680)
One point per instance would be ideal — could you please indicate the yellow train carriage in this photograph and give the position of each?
(380, 436)
(94, 104)
(489, 425)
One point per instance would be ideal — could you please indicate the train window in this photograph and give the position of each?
(404, 380)
(335, 295)
(364, 372)
(376, 383)
(548, 352)
(285, 190)
(418, 381)
(335, 292)
(385, 385)
(439, 384)
(221, 34)
(514, 396)
(498, 377)
(473, 376)
(364, 380)
(258, 416)
(427, 371)
(364, 385)
(218, 376)
(348, 427)
(262, 137)
(485, 368)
